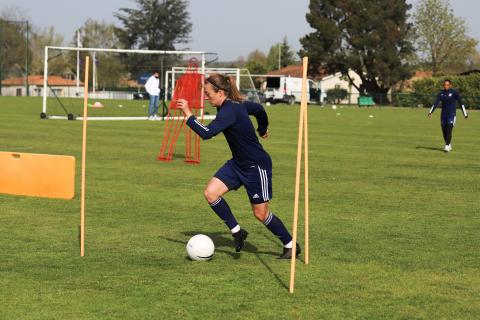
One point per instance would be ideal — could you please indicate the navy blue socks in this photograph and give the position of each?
(222, 210)
(276, 226)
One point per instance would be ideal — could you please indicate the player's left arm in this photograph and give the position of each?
(260, 114)
(459, 99)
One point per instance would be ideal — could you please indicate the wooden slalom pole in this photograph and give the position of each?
(297, 174)
(84, 153)
(305, 170)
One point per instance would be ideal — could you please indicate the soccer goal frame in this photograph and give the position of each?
(45, 115)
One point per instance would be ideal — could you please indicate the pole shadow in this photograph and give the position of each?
(276, 276)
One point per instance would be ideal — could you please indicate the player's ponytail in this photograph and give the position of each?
(226, 84)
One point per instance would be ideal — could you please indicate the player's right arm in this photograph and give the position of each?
(434, 106)
(222, 121)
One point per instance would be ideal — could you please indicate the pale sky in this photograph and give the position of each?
(231, 28)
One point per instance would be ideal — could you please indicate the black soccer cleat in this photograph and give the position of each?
(239, 238)
(287, 253)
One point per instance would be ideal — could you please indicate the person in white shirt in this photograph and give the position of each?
(153, 88)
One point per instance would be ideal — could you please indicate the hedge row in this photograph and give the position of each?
(427, 89)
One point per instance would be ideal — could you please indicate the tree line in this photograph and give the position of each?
(383, 41)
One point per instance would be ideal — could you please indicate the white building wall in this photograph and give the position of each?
(337, 81)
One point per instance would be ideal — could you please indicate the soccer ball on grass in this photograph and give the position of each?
(200, 247)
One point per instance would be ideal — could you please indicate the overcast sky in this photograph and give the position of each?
(232, 28)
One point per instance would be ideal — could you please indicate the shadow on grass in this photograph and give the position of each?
(221, 241)
(429, 148)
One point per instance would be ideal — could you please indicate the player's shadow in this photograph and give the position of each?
(224, 244)
(429, 148)
(221, 240)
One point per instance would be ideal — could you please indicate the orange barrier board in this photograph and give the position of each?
(40, 175)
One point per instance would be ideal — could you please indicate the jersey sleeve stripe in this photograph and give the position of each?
(201, 125)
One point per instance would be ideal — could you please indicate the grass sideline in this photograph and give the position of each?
(394, 223)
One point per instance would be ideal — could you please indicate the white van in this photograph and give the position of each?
(289, 90)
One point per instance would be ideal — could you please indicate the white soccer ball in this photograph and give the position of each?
(268, 104)
(200, 247)
(334, 107)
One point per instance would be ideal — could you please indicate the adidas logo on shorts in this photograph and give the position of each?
(256, 196)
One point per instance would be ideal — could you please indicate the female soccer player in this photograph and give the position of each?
(250, 165)
(448, 97)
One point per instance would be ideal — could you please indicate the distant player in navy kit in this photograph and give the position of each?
(448, 97)
(251, 166)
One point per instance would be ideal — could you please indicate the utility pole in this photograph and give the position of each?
(27, 89)
(279, 55)
(1, 55)
(78, 63)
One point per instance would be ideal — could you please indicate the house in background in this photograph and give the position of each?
(324, 82)
(60, 86)
(338, 81)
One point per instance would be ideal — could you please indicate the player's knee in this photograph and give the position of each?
(210, 195)
(261, 214)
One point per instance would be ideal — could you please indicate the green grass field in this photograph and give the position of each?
(394, 223)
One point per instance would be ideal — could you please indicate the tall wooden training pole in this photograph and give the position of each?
(84, 153)
(305, 169)
(301, 128)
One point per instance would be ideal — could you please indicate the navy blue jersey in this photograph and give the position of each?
(448, 99)
(233, 120)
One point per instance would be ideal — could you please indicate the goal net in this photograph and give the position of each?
(116, 83)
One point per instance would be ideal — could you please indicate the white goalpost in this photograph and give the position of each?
(61, 91)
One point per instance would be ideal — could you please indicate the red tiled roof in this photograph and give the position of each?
(38, 81)
(295, 71)
(290, 71)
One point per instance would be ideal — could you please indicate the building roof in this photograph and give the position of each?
(295, 71)
(289, 71)
(38, 81)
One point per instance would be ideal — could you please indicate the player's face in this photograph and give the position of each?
(447, 85)
(215, 98)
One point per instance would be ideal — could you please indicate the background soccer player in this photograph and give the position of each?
(250, 166)
(448, 98)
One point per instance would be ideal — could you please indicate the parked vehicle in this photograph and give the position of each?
(289, 90)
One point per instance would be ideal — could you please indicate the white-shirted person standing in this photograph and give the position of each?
(152, 86)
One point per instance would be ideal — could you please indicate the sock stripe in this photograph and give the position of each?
(269, 218)
(214, 203)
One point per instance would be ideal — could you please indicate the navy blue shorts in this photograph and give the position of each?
(446, 120)
(257, 180)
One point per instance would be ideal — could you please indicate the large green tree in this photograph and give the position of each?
(369, 37)
(442, 39)
(153, 25)
(13, 42)
(13, 49)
